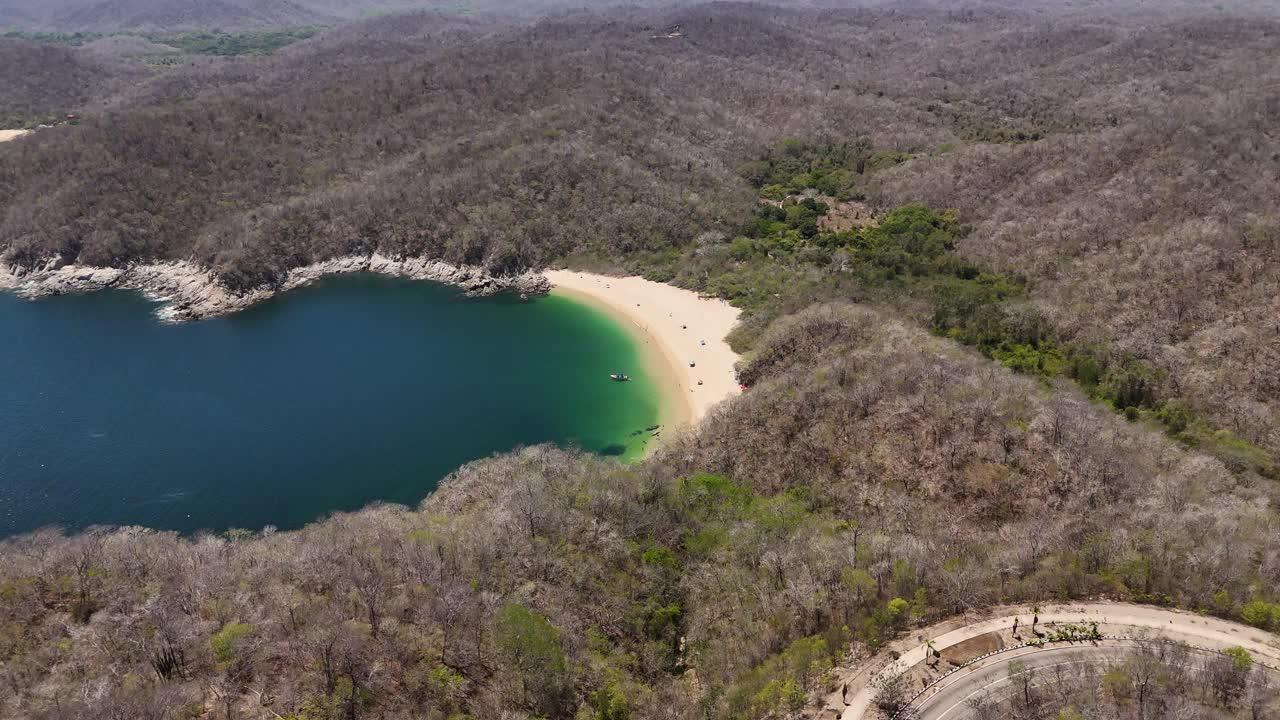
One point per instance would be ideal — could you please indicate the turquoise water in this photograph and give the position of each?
(356, 389)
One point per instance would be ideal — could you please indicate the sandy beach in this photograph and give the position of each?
(677, 326)
(7, 135)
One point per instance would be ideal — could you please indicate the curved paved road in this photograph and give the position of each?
(1113, 618)
(949, 699)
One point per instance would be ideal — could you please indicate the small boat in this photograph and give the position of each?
(619, 377)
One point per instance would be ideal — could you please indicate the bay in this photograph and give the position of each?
(356, 389)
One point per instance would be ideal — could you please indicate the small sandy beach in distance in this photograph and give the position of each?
(7, 135)
(673, 322)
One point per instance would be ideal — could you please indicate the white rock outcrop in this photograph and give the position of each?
(190, 292)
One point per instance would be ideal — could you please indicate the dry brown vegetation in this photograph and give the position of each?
(1121, 162)
(1152, 225)
(43, 82)
(1157, 680)
(133, 15)
(550, 583)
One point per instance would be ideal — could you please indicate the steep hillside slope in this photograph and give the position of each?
(44, 82)
(1121, 165)
(175, 15)
(108, 15)
(875, 476)
(1149, 219)
(1102, 211)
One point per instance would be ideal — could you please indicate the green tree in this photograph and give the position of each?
(1228, 674)
(1241, 660)
(860, 584)
(898, 611)
(531, 644)
(803, 218)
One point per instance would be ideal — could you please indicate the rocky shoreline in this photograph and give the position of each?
(190, 292)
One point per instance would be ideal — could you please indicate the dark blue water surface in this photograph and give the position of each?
(356, 389)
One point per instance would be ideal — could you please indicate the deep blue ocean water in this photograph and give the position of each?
(356, 389)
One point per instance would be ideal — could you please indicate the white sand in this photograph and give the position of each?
(677, 322)
(7, 135)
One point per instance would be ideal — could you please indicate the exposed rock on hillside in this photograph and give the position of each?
(190, 292)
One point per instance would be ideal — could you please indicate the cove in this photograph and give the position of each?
(357, 389)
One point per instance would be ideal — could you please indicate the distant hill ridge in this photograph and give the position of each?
(161, 14)
(113, 15)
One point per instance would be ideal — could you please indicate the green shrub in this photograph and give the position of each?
(1240, 658)
(782, 512)
(1029, 359)
(609, 703)
(707, 495)
(442, 686)
(1175, 417)
(898, 610)
(1085, 369)
(781, 684)
(664, 622)
(859, 583)
(1260, 613)
(704, 540)
(659, 556)
(223, 642)
(1132, 385)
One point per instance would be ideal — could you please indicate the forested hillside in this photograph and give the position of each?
(43, 82)
(1059, 380)
(170, 15)
(1188, 686)
(1121, 164)
(108, 15)
(841, 500)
